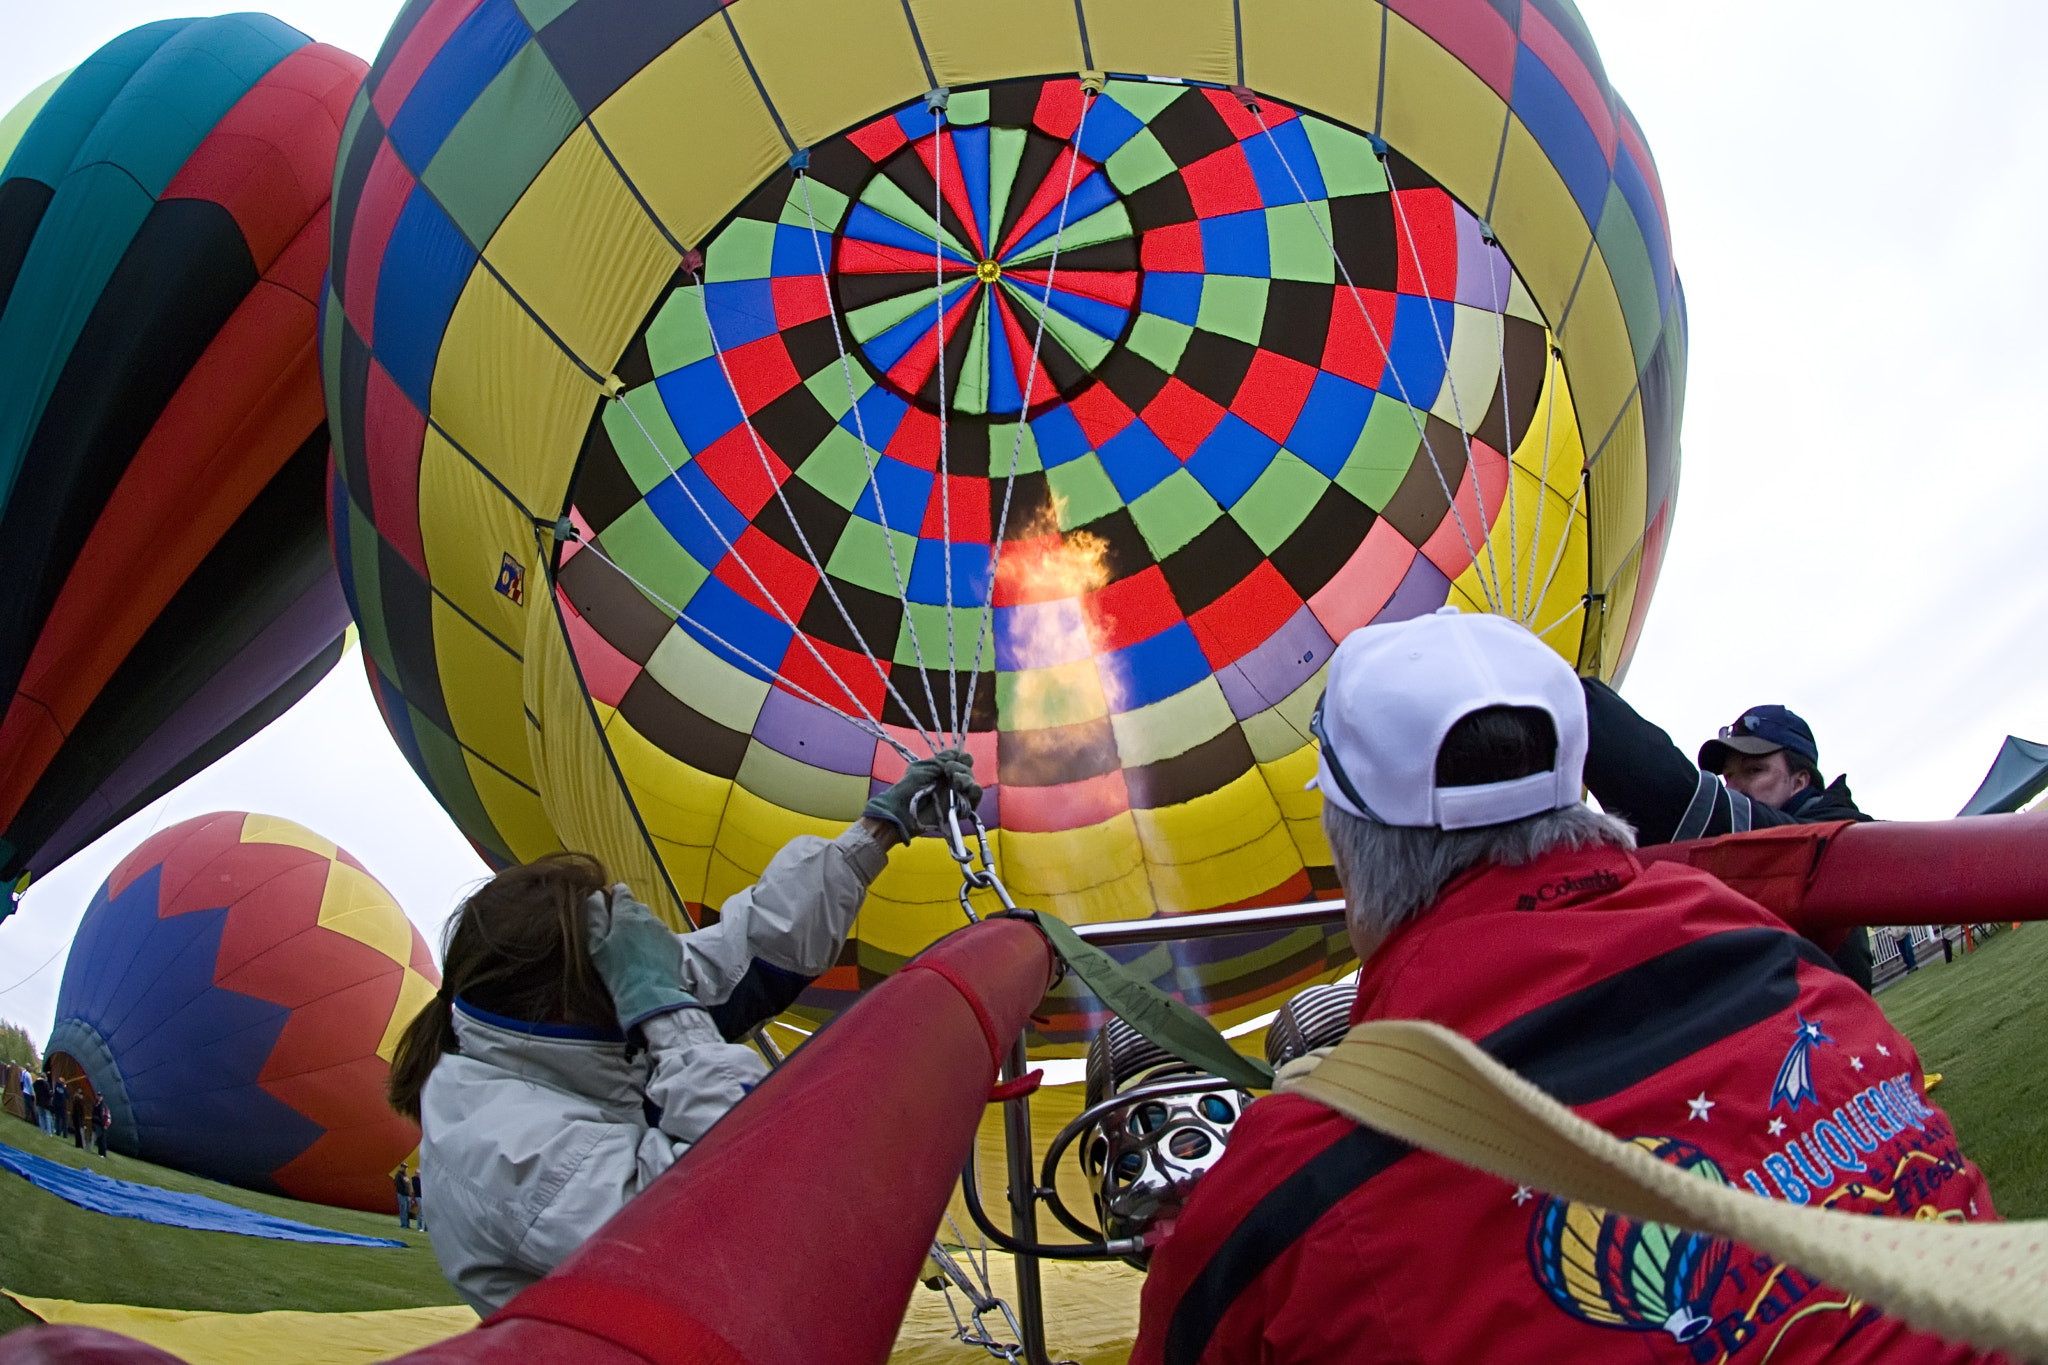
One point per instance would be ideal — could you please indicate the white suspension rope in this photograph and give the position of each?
(867, 456)
(939, 337)
(1557, 559)
(1507, 428)
(1421, 428)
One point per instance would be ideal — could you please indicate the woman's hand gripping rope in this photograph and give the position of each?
(938, 795)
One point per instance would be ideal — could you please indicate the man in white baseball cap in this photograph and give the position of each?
(1484, 895)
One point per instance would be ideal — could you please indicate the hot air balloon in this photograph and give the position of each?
(163, 233)
(1613, 1271)
(732, 402)
(235, 992)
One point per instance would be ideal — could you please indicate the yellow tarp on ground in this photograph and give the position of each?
(1091, 1315)
(278, 1338)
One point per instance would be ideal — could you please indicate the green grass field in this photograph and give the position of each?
(52, 1249)
(1982, 1022)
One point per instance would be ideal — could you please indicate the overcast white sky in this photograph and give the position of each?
(1855, 194)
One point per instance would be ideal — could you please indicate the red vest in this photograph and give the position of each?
(1660, 1005)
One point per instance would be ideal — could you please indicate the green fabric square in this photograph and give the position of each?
(1279, 500)
(1082, 491)
(500, 144)
(540, 13)
(448, 774)
(838, 468)
(1160, 340)
(646, 549)
(1297, 236)
(967, 107)
(929, 620)
(363, 554)
(1174, 512)
(862, 557)
(829, 386)
(648, 447)
(1138, 162)
(1628, 263)
(744, 249)
(1233, 306)
(1345, 159)
(678, 336)
(1385, 449)
(1147, 98)
(827, 206)
(1002, 441)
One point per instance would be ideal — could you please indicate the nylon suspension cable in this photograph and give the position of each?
(984, 621)
(1557, 560)
(1421, 428)
(938, 109)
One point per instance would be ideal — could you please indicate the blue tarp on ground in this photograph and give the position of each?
(126, 1199)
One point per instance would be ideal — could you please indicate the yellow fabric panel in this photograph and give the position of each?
(688, 867)
(507, 393)
(1615, 611)
(1619, 494)
(679, 803)
(751, 833)
(1538, 222)
(974, 42)
(1227, 877)
(1336, 73)
(1287, 779)
(468, 527)
(1602, 365)
(581, 252)
(579, 790)
(692, 132)
(924, 874)
(272, 829)
(515, 812)
(1232, 816)
(1128, 895)
(1171, 727)
(414, 991)
(1066, 861)
(353, 903)
(1442, 117)
(481, 684)
(274, 1338)
(828, 67)
(1193, 39)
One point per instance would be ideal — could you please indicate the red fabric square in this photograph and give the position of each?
(851, 684)
(263, 919)
(1175, 247)
(965, 497)
(1181, 418)
(1221, 183)
(382, 199)
(916, 439)
(734, 465)
(1101, 414)
(418, 48)
(1356, 347)
(761, 372)
(1243, 122)
(1273, 391)
(788, 577)
(606, 672)
(1129, 610)
(879, 138)
(392, 433)
(1244, 618)
(1426, 233)
(1059, 108)
(798, 298)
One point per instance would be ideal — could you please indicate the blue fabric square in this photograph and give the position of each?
(1235, 244)
(1152, 670)
(741, 311)
(1173, 294)
(879, 413)
(1110, 126)
(736, 630)
(700, 402)
(700, 518)
(796, 252)
(1136, 461)
(1059, 437)
(906, 490)
(1415, 357)
(476, 52)
(1231, 458)
(928, 579)
(1287, 150)
(1330, 422)
(425, 265)
(1553, 117)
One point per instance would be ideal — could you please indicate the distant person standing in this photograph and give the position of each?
(29, 1111)
(102, 1120)
(1907, 951)
(403, 1186)
(41, 1096)
(60, 1106)
(79, 1117)
(419, 1210)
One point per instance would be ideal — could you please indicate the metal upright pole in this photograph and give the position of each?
(1024, 1209)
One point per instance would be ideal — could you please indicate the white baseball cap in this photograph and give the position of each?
(1394, 691)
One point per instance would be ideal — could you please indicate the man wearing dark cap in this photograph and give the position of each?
(1763, 769)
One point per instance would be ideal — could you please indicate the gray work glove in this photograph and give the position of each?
(637, 958)
(948, 769)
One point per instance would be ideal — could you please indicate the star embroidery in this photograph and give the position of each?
(1812, 1031)
(1777, 1127)
(1699, 1106)
(1856, 1062)
(1523, 1194)
(1883, 1051)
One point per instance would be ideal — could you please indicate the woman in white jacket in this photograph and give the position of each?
(577, 1047)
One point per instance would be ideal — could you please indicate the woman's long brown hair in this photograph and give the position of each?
(519, 946)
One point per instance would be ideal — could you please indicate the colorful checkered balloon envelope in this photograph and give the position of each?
(235, 992)
(950, 388)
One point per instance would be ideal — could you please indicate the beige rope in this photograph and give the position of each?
(1983, 1283)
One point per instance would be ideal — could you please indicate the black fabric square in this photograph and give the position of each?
(876, 615)
(1420, 503)
(1525, 349)
(1190, 129)
(602, 490)
(1128, 552)
(793, 424)
(1122, 254)
(967, 446)
(408, 611)
(355, 383)
(1297, 323)
(634, 367)
(1362, 228)
(614, 608)
(1132, 378)
(1328, 536)
(355, 173)
(821, 518)
(766, 203)
(1162, 203)
(680, 731)
(1013, 103)
(596, 46)
(840, 164)
(1031, 509)
(812, 346)
(1214, 365)
(1210, 565)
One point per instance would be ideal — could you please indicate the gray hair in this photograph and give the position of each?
(1392, 873)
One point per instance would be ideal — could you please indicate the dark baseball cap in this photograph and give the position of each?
(1760, 730)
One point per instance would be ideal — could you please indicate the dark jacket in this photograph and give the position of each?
(1640, 775)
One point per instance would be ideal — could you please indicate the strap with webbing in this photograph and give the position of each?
(1983, 1283)
(1152, 1012)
